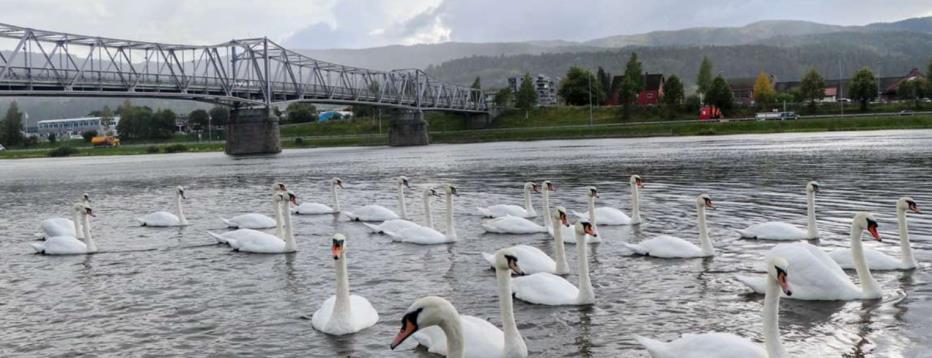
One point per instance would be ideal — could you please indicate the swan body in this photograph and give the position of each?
(501, 210)
(605, 215)
(670, 247)
(62, 226)
(548, 289)
(371, 213)
(512, 225)
(250, 221)
(70, 245)
(420, 235)
(323, 209)
(164, 218)
(878, 261)
(725, 345)
(778, 230)
(343, 313)
(252, 241)
(532, 259)
(817, 276)
(399, 225)
(481, 339)
(409, 232)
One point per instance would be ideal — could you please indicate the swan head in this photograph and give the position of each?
(866, 221)
(636, 181)
(337, 182)
(293, 199)
(703, 200)
(592, 192)
(277, 187)
(777, 268)
(86, 197)
(338, 246)
(403, 181)
(907, 203)
(449, 189)
(584, 227)
(547, 185)
(429, 192)
(531, 187)
(813, 187)
(505, 260)
(84, 209)
(180, 192)
(425, 312)
(559, 214)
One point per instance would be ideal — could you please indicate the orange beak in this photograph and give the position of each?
(407, 329)
(591, 231)
(784, 284)
(337, 251)
(564, 220)
(873, 230)
(639, 183)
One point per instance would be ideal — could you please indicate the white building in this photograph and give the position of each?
(545, 87)
(73, 126)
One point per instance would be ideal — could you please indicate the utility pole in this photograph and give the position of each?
(589, 78)
(838, 90)
(209, 133)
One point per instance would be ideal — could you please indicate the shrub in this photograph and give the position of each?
(176, 148)
(299, 141)
(31, 141)
(52, 138)
(63, 151)
(152, 149)
(89, 135)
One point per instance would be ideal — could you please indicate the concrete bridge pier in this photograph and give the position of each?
(252, 131)
(407, 128)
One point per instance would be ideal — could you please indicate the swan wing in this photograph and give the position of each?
(876, 260)
(755, 283)
(396, 225)
(261, 244)
(814, 275)
(419, 235)
(322, 316)
(57, 227)
(512, 225)
(773, 230)
(545, 289)
(362, 316)
(666, 246)
(706, 345)
(611, 216)
(481, 338)
(372, 213)
(64, 245)
(160, 219)
(496, 211)
(252, 221)
(313, 209)
(532, 260)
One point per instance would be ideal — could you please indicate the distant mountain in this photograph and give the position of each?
(781, 31)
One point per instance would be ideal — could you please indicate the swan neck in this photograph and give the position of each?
(869, 286)
(635, 204)
(342, 307)
(336, 198)
(546, 206)
(78, 219)
(707, 248)
(586, 293)
(513, 339)
(528, 206)
(452, 327)
(428, 215)
(401, 202)
(772, 341)
(181, 218)
(906, 250)
(279, 224)
(592, 212)
(451, 229)
(560, 250)
(88, 239)
(811, 226)
(290, 245)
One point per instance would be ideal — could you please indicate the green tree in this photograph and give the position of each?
(720, 95)
(913, 89)
(605, 82)
(863, 87)
(503, 98)
(576, 86)
(11, 130)
(162, 125)
(526, 97)
(693, 103)
(106, 118)
(704, 78)
(673, 93)
(52, 138)
(219, 115)
(929, 78)
(763, 90)
(299, 112)
(198, 119)
(134, 121)
(87, 136)
(632, 84)
(812, 88)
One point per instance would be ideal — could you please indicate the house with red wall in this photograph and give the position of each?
(649, 96)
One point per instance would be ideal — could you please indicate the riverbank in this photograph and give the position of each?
(451, 129)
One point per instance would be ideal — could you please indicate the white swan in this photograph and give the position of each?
(436, 325)
(610, 216)
(252, 241)
(343, 313)
(545, 188)
(533, 260)
(397, 225)
(778, 230)
(381, 213)
(877, 260)
(322, 209)
(62, 226)
(817, 277)
(426, 235)
(548, 289)
(592, 193)
(501, 210)
(670, 247)
(712, 345)
(256, 220)
(164, 218)
(512, 225)
(70, 245)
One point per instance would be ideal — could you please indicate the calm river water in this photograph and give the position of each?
(171, 292)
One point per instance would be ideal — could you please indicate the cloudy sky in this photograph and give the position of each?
(366, 23)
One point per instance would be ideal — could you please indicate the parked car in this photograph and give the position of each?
(906, 112)
(2, 148)
(788, 115)
(776, 116)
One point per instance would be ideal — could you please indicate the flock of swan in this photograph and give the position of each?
(538, 278)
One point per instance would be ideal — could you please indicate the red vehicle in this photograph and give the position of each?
(707, 113)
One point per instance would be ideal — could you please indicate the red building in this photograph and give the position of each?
(649, 96)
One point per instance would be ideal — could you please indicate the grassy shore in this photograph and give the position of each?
(542, 124)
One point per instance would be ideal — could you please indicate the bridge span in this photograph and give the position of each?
(250, 75)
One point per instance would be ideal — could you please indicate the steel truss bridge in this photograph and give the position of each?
(249, 72)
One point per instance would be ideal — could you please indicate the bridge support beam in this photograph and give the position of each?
(252, 131)
(407, 128)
